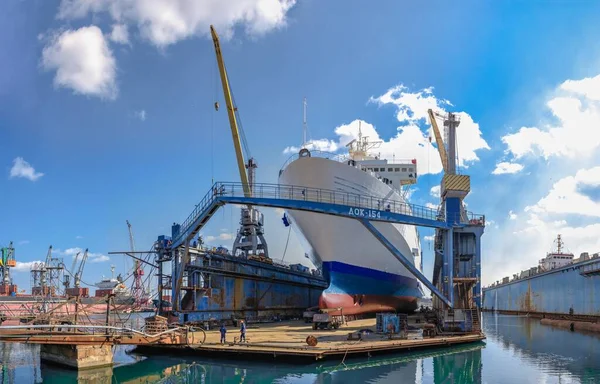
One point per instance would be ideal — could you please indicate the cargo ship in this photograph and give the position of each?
(363, 276)
(560, 285)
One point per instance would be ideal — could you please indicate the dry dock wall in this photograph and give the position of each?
(237, 288)
(560, 291)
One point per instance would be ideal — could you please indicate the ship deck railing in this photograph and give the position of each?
(320, 195)
(344, 158)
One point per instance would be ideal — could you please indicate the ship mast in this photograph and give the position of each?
(304, 124)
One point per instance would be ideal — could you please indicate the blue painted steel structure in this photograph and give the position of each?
(312, 200)
(574, 288)
(406, 263)
(228, 287)
(360, 207)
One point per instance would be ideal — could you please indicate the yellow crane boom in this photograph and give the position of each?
(231, 113)
(438, 140)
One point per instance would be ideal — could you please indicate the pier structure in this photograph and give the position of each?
(454, 288)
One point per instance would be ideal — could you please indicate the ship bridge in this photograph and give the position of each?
(364, 208)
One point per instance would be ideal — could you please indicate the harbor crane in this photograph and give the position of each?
(458, 275)
(7, 261)
(250, 241)
(77, 279)
(451, 122)
(67, 278)
(138, 290)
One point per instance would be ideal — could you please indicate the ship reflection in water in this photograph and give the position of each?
(518, 350)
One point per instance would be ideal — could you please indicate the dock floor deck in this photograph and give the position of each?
(288, 339)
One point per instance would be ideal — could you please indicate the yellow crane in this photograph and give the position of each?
(438, 139)
(247, 178)
(231, 109)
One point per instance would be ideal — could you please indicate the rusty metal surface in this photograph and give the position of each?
(98, 335)
(559, 292)
(248, 289)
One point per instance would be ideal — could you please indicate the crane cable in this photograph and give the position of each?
(212, 124)
(241, 128)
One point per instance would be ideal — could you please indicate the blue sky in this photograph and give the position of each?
(111, 103)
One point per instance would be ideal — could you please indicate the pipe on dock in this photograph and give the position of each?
(573, 325)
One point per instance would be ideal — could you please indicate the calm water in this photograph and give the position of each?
(517, 350)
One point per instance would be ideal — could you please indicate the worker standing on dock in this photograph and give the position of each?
(242, 331)
(223, 331)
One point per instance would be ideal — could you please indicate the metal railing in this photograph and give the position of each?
(345, 157)
(319, 195)
(82, 330)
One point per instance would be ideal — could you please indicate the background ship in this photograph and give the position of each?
(363, 275)
(560, 284)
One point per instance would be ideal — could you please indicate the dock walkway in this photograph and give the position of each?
(288, 340)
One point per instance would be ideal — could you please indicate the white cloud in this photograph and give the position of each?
(23, 169)
(575, 133)
(566, 196)
(119, 34)
(435, 191)
(83, 62)
(79, 237)
(412, 109)
(24, 266)
(506, 167)
(221, 237)
(429, 238)
(556, 212)
(411, 140)
(99, 258)
(92, 256)
(432, 206)
(140, 114)
(23, 242)
(588, 87)
(225, 236)
(165, 22)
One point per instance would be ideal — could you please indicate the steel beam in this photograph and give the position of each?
(405, 262)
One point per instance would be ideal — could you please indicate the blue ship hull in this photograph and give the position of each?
(359, 290)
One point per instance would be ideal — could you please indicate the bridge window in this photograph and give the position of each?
(411, 169)
(390, 169)
(397, 169)
(403, 169)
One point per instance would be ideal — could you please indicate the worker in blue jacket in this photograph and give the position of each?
(223, 331)
(242, 331)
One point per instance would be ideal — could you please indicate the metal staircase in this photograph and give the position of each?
(475, 320)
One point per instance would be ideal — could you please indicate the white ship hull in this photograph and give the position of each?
(364, 276)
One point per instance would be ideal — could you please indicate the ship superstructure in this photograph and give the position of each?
(363, 275)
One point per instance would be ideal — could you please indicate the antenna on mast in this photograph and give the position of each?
(304, 124)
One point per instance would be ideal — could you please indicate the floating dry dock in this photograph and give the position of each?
(287, 340)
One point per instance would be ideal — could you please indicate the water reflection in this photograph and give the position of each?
(554, 353)
(518, 350)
